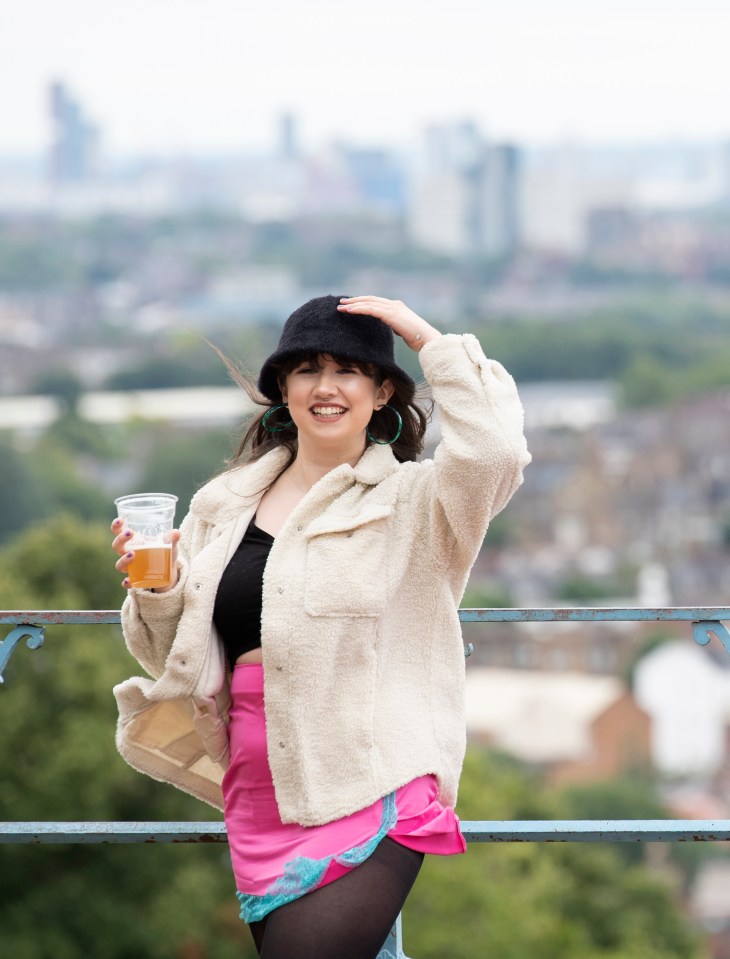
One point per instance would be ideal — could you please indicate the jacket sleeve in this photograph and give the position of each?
(150, 620)
(482, 452)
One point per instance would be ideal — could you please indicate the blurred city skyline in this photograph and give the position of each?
(163, 78)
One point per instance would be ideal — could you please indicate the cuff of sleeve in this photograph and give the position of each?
(446, 356)
(439, 355)
(160, 606)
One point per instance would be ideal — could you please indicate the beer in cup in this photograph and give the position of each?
(150, 516)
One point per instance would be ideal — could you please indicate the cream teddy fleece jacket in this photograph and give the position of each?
(362, 650)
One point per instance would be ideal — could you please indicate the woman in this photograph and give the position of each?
(327, 571)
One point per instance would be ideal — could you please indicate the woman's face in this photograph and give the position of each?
(332, 402)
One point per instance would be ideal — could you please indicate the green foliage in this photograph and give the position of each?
(36, 263)
(57, 718)
(658, 345)
(579, 589)
(499, 533)
(177, 464)
(646, 382)
(480, 596)
(634, 797)
(62, 563)
(73, 434)
(61, 382)
(168, 372)
(556, 901)
(57, 721)
(62, 486)
(22, 502)
(59, 474)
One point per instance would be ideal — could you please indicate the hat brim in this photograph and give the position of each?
(268, 382)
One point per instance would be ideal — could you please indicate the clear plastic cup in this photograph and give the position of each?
(151, 517)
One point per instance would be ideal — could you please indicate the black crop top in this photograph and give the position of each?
(237, 610)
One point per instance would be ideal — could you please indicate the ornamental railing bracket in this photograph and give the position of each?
(35, 636)
(704, 629)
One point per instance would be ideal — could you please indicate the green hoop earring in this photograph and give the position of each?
(398, 431)
(267, 414)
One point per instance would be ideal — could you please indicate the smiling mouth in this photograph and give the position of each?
(328, 412)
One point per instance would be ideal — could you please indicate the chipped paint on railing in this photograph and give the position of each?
(495, 831)
(60, 617)
(596, 614)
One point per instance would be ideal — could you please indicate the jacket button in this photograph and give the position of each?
(281, 589)
(299, 529)
(283, 745)
(279, 669)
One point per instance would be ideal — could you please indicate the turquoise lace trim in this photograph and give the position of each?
(303, 874)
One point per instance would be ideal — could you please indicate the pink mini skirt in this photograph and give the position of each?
(275, 862)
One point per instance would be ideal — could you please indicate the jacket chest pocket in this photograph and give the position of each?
(347, 564)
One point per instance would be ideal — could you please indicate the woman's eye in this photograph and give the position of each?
(347, 369)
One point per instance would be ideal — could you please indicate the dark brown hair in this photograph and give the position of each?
(414, 406)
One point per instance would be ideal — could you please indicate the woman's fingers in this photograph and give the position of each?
(414, 330)
(123, 562)
(122, 537)
(120, 545)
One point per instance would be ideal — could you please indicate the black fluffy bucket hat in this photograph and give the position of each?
(319, 327)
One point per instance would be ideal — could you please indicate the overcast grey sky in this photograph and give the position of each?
(207, 75)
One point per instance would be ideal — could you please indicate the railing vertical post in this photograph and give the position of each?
(393, 945)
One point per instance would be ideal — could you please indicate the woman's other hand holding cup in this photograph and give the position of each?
(146, 542)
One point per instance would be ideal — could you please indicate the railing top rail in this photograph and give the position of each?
(540, 830)
(73, 617)
(63, 617)
(578, 614)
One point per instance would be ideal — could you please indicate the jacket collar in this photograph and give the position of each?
(375, 464)
(223, 498)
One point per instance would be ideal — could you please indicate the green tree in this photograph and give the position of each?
(179, 463)
(22, 501)
(580, 589)
(635, 797)
(57, 720)
(647, 382)
(61, 382)
(64, 485)
(556, 901)
(57, 716)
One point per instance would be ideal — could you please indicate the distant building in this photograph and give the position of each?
(686, 693)
(465, 199)
(562, 187)
(74, 143)
(377, 177)
(577, 728)
(725, 162)
(288, 137)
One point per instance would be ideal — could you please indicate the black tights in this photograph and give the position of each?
(349, 918)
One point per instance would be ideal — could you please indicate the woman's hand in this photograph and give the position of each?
(120, 546)
(414, 330)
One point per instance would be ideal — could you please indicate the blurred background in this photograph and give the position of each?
(554, 178)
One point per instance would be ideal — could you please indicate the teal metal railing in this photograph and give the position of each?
(30, 625)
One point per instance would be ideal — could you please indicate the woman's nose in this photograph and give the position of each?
(326, 385)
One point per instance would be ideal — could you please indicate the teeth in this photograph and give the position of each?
(327, 410)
